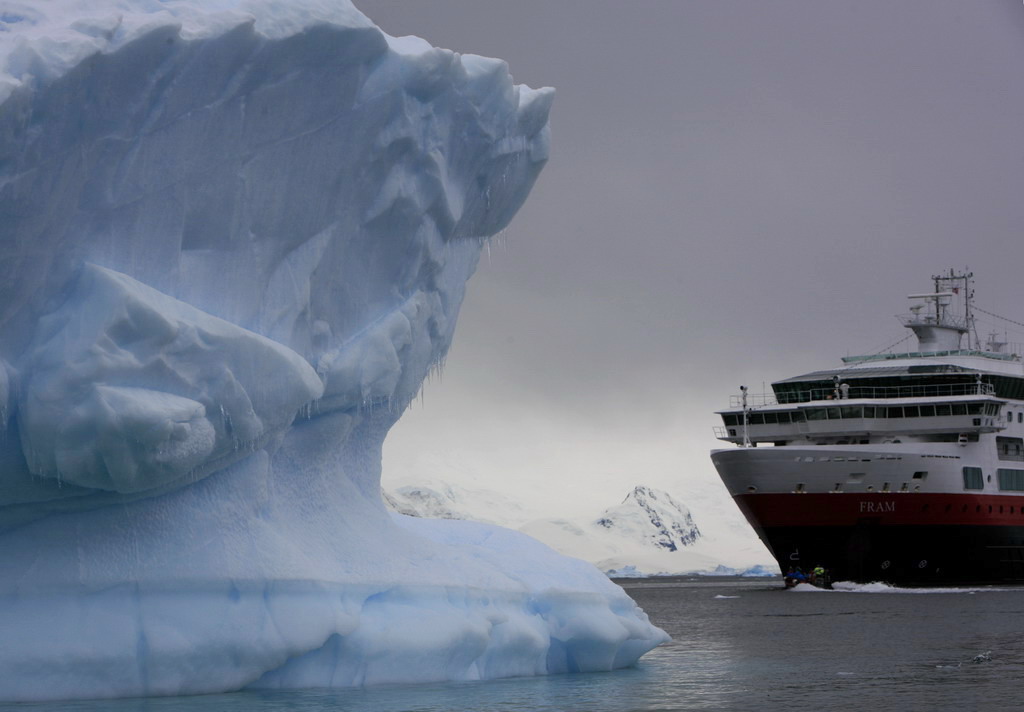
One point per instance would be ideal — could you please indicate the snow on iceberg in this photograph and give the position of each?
(235, 238)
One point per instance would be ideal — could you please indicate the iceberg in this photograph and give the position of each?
(234, 241)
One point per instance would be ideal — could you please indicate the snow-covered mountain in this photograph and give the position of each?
(649, 532)
(653, 517)
(440, 500)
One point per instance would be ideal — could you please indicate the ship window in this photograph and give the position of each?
(894, 412)
(1009, 417)
(783, 417)
(797, 416)
(815, 413)
(973, 478)
(927, 411)
(771, 418)
(1020, 417)
(833, 413)
(920, 475)
(731, 419)
(757, 419)
(1011, 480)
(853, 412)
(943, 409)
(975, 408)
(910, 411)
(1010, 448)
(959, 409)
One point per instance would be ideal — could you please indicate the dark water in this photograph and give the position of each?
(737, 645)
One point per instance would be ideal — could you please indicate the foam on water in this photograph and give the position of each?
(881, 587)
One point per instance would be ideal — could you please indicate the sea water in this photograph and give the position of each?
(738, 644)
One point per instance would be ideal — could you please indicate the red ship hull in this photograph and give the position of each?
(902, 538)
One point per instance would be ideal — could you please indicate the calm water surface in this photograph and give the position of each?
(737, 645)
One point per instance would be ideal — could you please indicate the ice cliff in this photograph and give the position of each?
(234, 239)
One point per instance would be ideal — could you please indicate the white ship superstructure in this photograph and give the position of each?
(906, 467)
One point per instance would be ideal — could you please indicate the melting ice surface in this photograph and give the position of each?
(235, 237)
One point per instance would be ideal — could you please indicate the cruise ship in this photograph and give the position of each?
(906, 468)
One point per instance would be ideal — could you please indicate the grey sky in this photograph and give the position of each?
(738, 191)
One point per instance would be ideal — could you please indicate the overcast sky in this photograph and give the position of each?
(738, 192)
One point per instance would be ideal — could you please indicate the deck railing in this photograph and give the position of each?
(938, 390)
(1013, 356)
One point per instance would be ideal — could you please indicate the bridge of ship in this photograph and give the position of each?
(943, 401)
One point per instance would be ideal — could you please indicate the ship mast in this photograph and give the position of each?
(962, 284)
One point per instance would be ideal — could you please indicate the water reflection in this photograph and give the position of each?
(737, 645)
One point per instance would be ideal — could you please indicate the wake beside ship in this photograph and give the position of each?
(898, 467)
